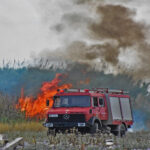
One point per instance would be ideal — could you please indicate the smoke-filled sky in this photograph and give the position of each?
(26, 26)
(112, 34)
(21, 29)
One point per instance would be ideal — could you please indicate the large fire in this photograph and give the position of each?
(37, 107)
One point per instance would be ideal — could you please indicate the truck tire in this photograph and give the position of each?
(51, 132)
(120, 130)
(94, 128)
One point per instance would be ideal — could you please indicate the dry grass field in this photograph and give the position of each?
(21, 127)
(38, 140)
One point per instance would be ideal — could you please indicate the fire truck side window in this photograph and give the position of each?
(101, 102)
(95, 102)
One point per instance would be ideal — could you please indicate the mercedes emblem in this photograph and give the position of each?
(66, 116)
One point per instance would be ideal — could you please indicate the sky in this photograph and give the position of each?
(21, 30)
(26, 26)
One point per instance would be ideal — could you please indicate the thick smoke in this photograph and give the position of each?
(100, 36)
(119, 32)
(117, 24)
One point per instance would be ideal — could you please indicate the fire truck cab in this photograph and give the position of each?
(90, 110)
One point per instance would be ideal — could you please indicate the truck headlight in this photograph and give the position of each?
(53, 115)
(49, 125)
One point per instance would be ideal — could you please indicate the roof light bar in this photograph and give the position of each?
(95, 90)
(73, 90)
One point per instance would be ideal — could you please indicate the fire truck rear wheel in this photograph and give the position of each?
(94, 128)
(121, 130)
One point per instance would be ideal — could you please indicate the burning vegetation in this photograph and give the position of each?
(36, 107)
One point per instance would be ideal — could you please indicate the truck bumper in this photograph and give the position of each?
(64, 124)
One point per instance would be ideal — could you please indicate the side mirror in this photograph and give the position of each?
(47, 102)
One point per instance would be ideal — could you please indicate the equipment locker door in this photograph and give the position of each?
(126, 109)
(115, 108)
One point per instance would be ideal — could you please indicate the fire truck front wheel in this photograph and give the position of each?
(51, 132)
(95, 128)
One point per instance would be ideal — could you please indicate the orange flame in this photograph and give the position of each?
(37, 107)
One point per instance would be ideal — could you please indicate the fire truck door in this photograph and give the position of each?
(103, 113)
(95, 109)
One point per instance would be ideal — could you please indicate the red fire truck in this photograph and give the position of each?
(90, 110)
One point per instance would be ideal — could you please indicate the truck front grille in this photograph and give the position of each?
(67, 118)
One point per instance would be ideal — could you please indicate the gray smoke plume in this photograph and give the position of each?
(104, 36)
(117, 24)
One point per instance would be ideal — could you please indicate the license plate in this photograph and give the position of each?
(53, 115)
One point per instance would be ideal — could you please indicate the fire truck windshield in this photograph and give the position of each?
(72, 101)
